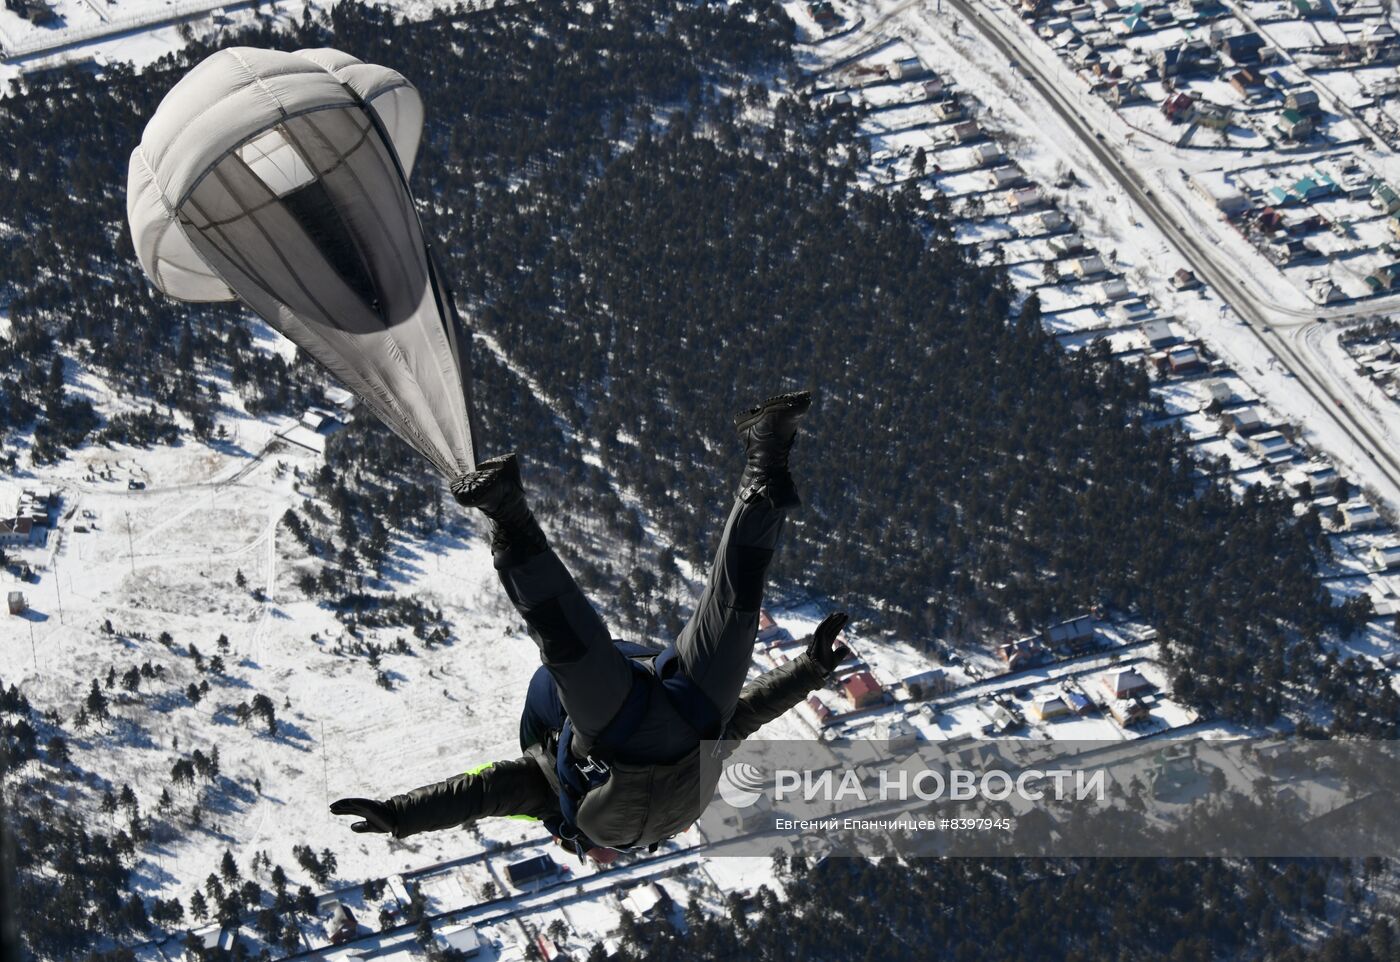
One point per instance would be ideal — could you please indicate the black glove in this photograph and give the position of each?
(820, 649)
(376, 816)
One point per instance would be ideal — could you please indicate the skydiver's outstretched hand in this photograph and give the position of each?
(823, 649)
(375, 816)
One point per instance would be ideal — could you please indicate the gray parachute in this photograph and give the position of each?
(281, 180)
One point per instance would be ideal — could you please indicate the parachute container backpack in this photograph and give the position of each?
(281, 180)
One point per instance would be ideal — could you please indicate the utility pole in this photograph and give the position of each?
(130, 551)
(32, 649)
(57, 590)
(325, 766)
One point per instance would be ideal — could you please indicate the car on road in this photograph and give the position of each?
(134, 485)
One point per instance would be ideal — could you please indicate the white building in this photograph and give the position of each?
(1270, 444)
(1216, 187)
(1384, 557)
(1359, 516)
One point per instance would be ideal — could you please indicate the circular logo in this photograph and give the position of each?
(741, 784)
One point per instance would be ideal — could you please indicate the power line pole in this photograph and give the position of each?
(32, 649)
(57, 590)
(130, 551)
(325, 766)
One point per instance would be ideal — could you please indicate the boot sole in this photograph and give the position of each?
(487, 473)
(798, 401)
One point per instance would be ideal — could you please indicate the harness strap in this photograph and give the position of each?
(577, 778)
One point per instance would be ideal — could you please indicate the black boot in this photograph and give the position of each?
(768, 431)
(495, 489)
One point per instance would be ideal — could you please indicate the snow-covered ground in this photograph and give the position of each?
(165, 557)
(141, 31)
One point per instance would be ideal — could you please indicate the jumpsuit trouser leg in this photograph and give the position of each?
(592, 676)
(716, 645)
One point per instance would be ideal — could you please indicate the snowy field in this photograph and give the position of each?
(166, 557)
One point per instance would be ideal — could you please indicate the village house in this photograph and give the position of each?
(1359, 516)
(1070, 632)
(1294, 126)
(1385, 557)
(820, 712)
(1212, 115)
(1135, 310)
(1320, 477)
(1158, 333)
(1179, 107)
(1219, 391)
(1244, 420)
(1089, 266)
(463, 941)
(36, 12)
(990, 153)
(1022, 653)
(1248, 83)
(926, 684)
(897, 733)
(1241, 49)
(1125, 683)
(531, 872)
(946, 111)
(1065, 244)
(1000, 719)
(16, 531)
(1378, 42)
(1024, 198)
(907, 68)
(1049, 706)
(1271, 446)
(862, 690)
(1004, 177)
(1077, 701)
(1183, 359)
(1128, 712)
(1303, 99)
(1383, 278)
(647, 901)
(341, 926)
(769, 631)
(1184, 280)
(966, 131)
(18, 604)
(209, 940)
(1123, 93)
(1114, 288)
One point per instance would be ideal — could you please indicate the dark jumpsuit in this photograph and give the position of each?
(586, 675)
(591, 673)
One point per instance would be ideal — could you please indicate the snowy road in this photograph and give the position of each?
(1379, 463)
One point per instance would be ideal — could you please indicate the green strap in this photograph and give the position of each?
(481, 768)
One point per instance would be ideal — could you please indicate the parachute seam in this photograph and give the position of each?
(256, 81)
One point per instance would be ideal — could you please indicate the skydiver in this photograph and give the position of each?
(611, 732)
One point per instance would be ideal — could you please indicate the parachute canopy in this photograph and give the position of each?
(281, 179)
